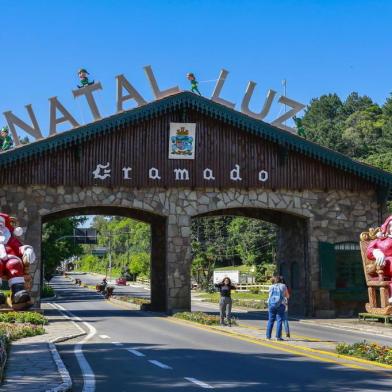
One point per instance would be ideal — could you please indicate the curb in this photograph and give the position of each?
(66, 385)
(377, 366)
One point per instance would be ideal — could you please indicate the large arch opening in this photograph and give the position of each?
(292, 254)
(158, 262)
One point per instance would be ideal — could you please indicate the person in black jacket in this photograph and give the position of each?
(225, 302)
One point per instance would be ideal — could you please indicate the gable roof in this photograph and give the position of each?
(185, 100)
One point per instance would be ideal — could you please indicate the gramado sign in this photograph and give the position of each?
(55, 106)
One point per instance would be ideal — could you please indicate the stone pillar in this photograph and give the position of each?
(179, 259)
(158, 266)
(292, 255)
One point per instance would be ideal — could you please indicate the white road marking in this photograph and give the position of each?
(159, 364)
(117, 343)
(135, 352)
(67, 317)
(104, 336)
(199, 383)
(87, 372)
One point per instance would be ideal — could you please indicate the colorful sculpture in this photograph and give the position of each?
(6, 141)
(82, 73)
(376, 248)
(194, 83)
(15, 259)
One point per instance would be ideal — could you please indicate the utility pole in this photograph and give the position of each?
(110, 257)
(284, 83)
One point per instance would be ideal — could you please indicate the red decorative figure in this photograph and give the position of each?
(380, 250)
(13, 256)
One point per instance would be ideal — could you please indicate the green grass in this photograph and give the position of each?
(134, 300)
(242, 268)
(201, 318)
(245, 299)
(12, 331)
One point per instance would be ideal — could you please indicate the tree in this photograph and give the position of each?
(55, 248)
(321, 122)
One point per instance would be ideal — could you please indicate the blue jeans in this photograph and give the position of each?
(275, 314)
(286, 323)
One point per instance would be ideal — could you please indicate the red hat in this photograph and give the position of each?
(385, 225)
(7, 221)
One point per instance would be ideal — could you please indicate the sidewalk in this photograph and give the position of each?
(34, 364)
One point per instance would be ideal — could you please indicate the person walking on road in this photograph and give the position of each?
(286, 310)
(225, 302)
(277, 294)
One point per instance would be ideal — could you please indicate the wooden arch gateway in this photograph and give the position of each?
(185, 156)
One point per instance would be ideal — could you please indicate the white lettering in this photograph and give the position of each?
(87, 91)
(122, 82)
(247, 97)
(235, 174)
(55, 105)
(263, 176)
(296, 107)
(208, 175)
(153, 173)
(158, 94)
(126, 171)
(218, 88)
(181, 174)
(102, 171)
(12, 120)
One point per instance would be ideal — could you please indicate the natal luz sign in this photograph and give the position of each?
(59, 114)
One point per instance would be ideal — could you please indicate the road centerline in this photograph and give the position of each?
(160, 364)
(135, 352)
(199, 383)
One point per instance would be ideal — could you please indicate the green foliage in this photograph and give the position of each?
(56, 248)
(23, 317)
(134, 300)
(18, 331)
(47, 291)
(217, 241)
(129, 242)
(365, 350)
(245, 299)
(201, 318)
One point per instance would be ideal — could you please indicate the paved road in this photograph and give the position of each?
(140, 351)
(256, 318)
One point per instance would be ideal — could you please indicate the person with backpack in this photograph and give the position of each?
(286, 326)
(277, 294)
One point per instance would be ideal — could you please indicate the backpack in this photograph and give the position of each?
(276, 297)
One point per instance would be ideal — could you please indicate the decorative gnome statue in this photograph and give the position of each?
(13, 256)
(380, 250)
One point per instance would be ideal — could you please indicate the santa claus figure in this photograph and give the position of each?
(380, 250)
(13, 255)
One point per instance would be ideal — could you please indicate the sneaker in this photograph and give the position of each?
(287, 335)
(279, 339)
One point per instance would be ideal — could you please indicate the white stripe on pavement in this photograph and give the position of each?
(159, 364)
(87, 372)
(199, 383)
(104, 336)
(135, 352)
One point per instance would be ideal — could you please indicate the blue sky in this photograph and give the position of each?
(318, 46)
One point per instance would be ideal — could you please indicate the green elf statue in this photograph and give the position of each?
(6, 141)
(82, 73)
(191, 77)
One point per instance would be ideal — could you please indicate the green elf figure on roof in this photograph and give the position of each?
(192, 78)
(6, 141)
(82, 73)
